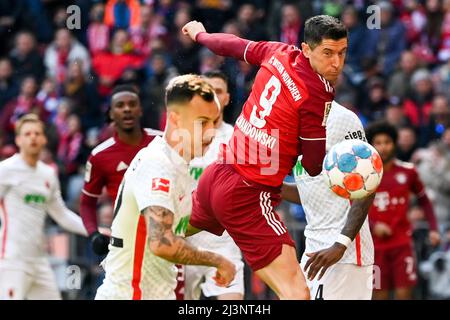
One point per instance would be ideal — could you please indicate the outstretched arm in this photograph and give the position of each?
(323, 259)
(165, 244)
(229, 45)
(66, 218)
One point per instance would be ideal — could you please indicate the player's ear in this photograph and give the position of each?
(17, 140)
(306, 49)
(173, 117)
(227, 100)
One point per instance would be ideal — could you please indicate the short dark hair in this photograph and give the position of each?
(322, 27)
(381, 127)
(125, 87)
(216, 74)
(182, 89)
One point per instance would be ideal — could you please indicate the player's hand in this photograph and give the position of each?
(225, 273)
(435, 238)
(193, 28)
(323, 259)
(99, 243)
(382, 230)
(105, 231)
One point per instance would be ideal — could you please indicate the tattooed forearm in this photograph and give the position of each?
(184, 253)
(356, 216)
(165, 244)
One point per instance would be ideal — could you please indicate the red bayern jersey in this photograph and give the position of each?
(391, 203)
(288, 103)
(109, 161)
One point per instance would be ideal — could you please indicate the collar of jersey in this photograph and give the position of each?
(171, 153)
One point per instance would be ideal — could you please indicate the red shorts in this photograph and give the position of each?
(225, 200)
(397, 268)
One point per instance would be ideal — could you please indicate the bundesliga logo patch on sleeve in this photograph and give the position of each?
(161, 184)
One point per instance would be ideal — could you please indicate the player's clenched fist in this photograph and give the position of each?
(193, 28)
(225, 273)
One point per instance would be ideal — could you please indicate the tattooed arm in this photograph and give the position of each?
(165, 244)
(323, 259)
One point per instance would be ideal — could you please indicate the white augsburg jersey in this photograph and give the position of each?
(27, 194)
(326, 213)
(206, 240)
(157, 176)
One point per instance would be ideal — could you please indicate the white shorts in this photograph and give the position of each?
(32, 279)
(198, 279)
(341, 282)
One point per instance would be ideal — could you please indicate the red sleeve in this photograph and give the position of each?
(313, 152)
(224, 44)
(423, 200)
(93, 178)
(88, 212)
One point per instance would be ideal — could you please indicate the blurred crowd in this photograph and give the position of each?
(398, 70)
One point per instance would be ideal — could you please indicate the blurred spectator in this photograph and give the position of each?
(63, 51)
(25, 102)
(291, 25)
(406, 143)
(70, 146)
(444, 46)
(82, 93)
(11, 14)
(374, 106)
(395, 115)
(122, 14)
(25, 57)
(441, 79)
(249, 25)
(427, 46)
(168, 9)
(154, 106)
(399, 84)
(150, 28)
(414, 18)
(97, 31)
(433, 164)
(209, 61)
(439, 117)
(60, 18)
(109, 66)
(8, 85)
(387, 43)
(213, 14)
(356, 38)
(418, 105)
(48, 97)
(185, 55)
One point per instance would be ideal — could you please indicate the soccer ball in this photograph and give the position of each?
(353, 169)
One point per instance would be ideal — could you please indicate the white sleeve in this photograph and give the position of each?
(153, 185)
(3, 182)
(343, 124)
(64, 217)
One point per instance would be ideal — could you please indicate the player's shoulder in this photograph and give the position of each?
(153, 132)
(8, 162)
(47, 170)
(339, 113)
(102, 147)
(406, 166)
